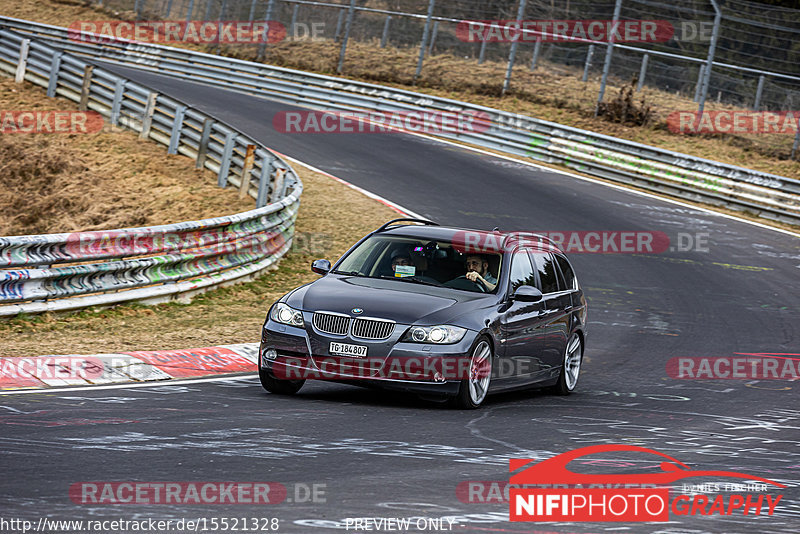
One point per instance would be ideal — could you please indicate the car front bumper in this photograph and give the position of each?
(402, 366)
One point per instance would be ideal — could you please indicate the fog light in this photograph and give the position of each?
(438, 377)
(270, 354)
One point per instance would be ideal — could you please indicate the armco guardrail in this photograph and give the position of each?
(680, 175)
(59, 272)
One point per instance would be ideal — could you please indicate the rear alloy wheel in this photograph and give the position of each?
(473, 389)
(278, 386)
(571, 368)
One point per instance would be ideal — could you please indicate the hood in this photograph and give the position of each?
(403, 302)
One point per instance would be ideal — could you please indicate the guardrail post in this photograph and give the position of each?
(202, 147)
(385, 35)
(24, 47)
(515, 43)
(263, 181)
(609, 53)
(189, 11)
(796, 141)
(252, 11)
(588, 64)
(484, 42)
(225, 162)
(147, 118)
(221, 19)
(168, 10)
(137, 8)
(697, 88)
(293, 25)
(643, 71)
(280, 184)
(759, 93)
(175, 135)
(116, 104)
(710, 60)
(85, 86)
(350, 14)
(537, 49)
(433, 37)
(339, 22)
(55, 66)
(249, 159)
(262, 47)
(424, 42)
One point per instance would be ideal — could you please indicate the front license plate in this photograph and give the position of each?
(344, 349)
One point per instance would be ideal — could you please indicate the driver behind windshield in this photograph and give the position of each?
(478, 270)
(403, 260)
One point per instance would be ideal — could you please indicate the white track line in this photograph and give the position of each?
(57, 390)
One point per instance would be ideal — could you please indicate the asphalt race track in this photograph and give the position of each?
(375, 454)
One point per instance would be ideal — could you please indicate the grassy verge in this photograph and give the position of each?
(68, 182)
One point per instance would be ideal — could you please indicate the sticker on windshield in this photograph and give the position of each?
(401, 271)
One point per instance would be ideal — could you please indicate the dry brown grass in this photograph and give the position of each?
(64, 183)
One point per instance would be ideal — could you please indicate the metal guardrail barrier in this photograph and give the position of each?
(681, 175)
(58, 272)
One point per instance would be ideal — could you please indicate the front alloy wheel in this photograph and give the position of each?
(571, 368)
(475, 386)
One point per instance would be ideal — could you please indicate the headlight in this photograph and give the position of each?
(440, 334)
(284, 314)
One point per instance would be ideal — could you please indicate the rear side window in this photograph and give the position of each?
(547, 271)
(567, 272)
(521, 272)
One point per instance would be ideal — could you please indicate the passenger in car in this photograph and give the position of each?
(478, 269)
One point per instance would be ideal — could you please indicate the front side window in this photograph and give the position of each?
(566, 270)
(521, 272)
(419, 260)
(547, 271)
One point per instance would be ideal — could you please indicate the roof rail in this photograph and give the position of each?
(512, 236)
(423, 221)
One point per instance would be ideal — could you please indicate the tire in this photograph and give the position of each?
(278, 386)
(570, 367)
(473, 389)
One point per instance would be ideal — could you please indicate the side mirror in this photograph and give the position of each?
(527, 294)
(321, 266)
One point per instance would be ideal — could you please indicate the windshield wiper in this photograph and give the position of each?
(348, 273)
(411, 279)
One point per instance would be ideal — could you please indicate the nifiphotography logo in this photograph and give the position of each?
(563, 495)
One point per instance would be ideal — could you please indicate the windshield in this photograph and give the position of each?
(421, 261)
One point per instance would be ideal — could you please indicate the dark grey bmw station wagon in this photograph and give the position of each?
(440, 312)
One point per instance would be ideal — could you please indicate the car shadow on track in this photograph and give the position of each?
(344, 394)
